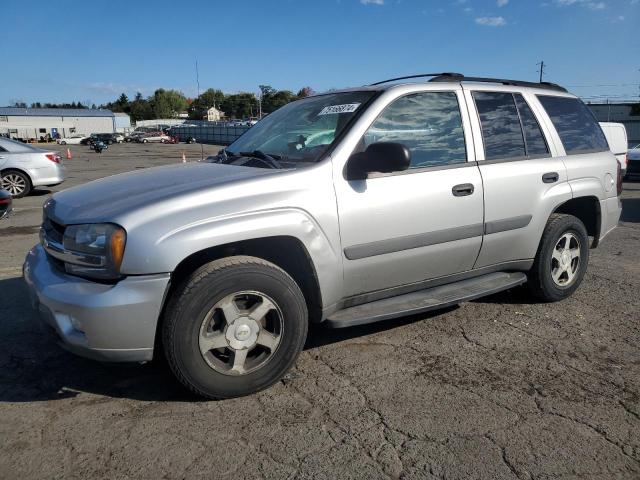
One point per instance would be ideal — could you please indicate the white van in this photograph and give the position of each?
(617, 138)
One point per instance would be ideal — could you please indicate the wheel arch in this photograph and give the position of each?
(587, 209)
(287, 252)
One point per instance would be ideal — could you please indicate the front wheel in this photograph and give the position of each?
(234, 327)
(63, 143)
(562, 259)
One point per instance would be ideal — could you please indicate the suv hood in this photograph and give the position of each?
(105, 199)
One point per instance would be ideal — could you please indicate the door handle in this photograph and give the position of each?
(551, 177)
(462, 189)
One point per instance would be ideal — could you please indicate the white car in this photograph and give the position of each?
(72, 140)
(119, 137)
(154, 137)
(24, 167)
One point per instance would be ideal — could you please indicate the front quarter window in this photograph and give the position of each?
(303, 130)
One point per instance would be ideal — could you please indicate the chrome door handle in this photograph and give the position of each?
(462, 190)
(551, 177)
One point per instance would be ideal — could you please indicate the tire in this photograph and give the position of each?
(63, 143)
(17, 183)
(194, 316)
(556, 275)
(144, 140)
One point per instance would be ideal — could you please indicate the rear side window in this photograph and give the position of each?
(576, 125)
(535, 143)
(501, 131)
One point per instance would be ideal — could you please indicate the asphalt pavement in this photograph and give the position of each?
(497, 388)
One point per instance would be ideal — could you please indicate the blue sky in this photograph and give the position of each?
(94, 50)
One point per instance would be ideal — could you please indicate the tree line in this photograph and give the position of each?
(168, 103)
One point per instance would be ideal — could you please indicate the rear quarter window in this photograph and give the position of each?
(575, 124)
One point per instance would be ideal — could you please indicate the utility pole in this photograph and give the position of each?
(197, 77)
(541, 69)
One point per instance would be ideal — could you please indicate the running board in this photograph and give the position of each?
(425, 300)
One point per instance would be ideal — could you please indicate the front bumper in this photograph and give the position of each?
(114, 323)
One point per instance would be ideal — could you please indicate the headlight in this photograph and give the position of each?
(94, 250)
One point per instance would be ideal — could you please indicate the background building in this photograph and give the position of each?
(626, 113)
(122, 123)
(38, 122)
(214, 115)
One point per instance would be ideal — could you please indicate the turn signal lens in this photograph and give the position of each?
(118, 241)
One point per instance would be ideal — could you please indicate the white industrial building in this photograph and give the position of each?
(38, 122)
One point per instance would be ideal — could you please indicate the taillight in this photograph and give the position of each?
(619, 189)
(54, 157)
(626, 161)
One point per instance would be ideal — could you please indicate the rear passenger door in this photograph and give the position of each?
(522, 181)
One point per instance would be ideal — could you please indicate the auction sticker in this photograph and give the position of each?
(333, 109)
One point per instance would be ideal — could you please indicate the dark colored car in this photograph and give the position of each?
(107, 138)
(5, 203)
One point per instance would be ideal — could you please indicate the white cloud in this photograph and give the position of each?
(502, 3)
(583, 3)
(491, 21)
(372, 2)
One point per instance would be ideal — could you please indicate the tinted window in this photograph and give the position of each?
(535, 143)
(428, 124)
(500, 123)
(575, 124)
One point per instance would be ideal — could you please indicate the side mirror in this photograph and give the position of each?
(381, 157)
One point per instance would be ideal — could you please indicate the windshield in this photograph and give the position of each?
(301, 131)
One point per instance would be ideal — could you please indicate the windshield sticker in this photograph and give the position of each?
(333, 109)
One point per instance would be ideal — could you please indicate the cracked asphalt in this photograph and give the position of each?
(496, 388)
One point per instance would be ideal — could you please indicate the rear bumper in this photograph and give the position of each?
(114, 323)
(49, 176)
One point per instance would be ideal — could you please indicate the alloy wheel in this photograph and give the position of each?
(14, 184)
(241, 333)
(565, 259)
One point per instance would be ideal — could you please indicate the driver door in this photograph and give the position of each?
(426, 222)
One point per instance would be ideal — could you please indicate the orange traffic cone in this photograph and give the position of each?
(184, 158)
(69, 157)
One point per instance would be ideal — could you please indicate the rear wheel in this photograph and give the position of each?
(63, 143)
(234, 327)
(562, 259)
(17, 183)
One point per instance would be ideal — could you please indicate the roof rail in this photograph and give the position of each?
(436, 75)
(456, 77)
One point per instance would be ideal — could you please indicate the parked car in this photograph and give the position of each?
(5, 203)
(154, 137)
(134, 136)
(633, 161)
(23, 167)
(119, 137)
(72, 140)
(616, 135)
(107, 138)
(428, 194)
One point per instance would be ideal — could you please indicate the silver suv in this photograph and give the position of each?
(344, 208)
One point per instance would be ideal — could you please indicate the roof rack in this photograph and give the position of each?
(459, 77)
(456, 77)
(436, 75)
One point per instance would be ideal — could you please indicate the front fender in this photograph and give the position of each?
(171, 248)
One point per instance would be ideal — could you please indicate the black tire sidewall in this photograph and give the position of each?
(197, 301)
(550, 290)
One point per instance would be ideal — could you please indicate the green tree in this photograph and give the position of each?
(167, 103)
(207, 99)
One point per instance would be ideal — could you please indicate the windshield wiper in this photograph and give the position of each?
(271, 160)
